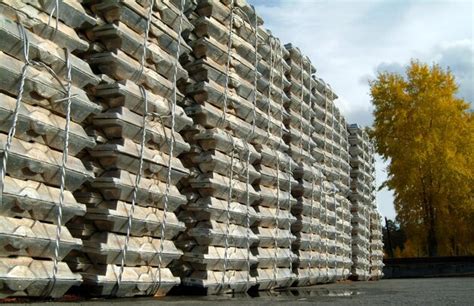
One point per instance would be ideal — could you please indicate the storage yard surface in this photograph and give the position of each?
(421, 291)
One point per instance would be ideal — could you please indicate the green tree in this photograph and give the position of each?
(428, 136)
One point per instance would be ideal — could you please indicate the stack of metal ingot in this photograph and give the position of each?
(361, 196)
(376, 246)
(274, 252)
(44, 104)
(300, 126)
(332, 155)
(343, 211)
(130, 224)
(225, 183)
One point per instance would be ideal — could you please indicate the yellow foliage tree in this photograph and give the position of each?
(427, 134)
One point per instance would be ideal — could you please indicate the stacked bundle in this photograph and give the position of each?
(361, 196)
(343, 211)
(376, 246)
(130, 221)
(332, 155)
(274, 253)
(43, 104)
(224, 184)
(308, 226)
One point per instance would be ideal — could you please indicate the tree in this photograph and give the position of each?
(393, 237)
(428, 136)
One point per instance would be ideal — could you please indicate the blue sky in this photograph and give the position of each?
(349, 41)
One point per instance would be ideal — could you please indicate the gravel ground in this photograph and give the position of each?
(421, 291)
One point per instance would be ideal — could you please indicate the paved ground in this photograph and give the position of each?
(428, 291)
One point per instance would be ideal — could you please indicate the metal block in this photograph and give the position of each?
(268, 257)
(214, 233)
(215, 161)
(34, 200)
(36, 124)
(221, 12)
(213, 93)
(119, 36)
(45, 51)
(107, 248)
(121, 67)
(38, 162)
(271, 156)
(269, 198)
(269, 237)
(234, 281)
(209, 208)
(212, 258)
(101, 280)
(135, 16)
(112, 216)
(273, 217)
(270, 278)
(26, 237)
(43, 89)
(210, 116)
(127, 94)
(24, 276)
(119, 185)
(218, 139)
(204, 70)
(300, 122)
(216, 185)
(71, 12)
(272, 178)
(308, 276)
(304, 206)
(308, 241)
(122, 123)
(38, 22)
(210, 27)
(125, 154)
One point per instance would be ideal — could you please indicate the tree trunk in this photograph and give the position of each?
(432, 239)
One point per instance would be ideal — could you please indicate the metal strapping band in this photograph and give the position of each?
(227, 224)
(123, 253)
(227, 65)
(55, 10)
(171, 148)
(247, 185)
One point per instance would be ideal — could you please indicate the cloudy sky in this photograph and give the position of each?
(350, 40)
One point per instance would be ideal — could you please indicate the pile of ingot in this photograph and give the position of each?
(153, 143)
(308, 226)
(44, 105)
(223, 185)
(274, 252)
(362, 199)
(130, 224)
(376, 246)
(332, 153)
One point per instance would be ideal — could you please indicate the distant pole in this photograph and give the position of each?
(389, 239)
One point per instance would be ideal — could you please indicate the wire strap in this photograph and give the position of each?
(172, 141)
(249, 137)
(123, 253)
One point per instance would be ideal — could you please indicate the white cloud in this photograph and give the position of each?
(348, 41)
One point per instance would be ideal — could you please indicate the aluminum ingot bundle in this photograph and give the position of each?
(362, 198)
(308, 192)
(44, 108)
(225, 185)
(376, 246)
(275, 256)
(130, 224)
(335, 166)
